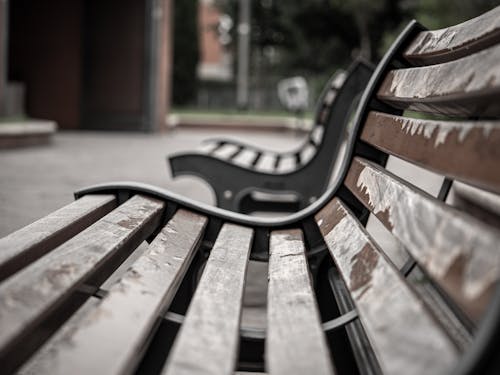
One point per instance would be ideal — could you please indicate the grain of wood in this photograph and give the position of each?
(466, 150)
(110, 338)
(465, 87)
(31, 242)
(458, 251)
(405, 337)
(31, 294)
(437, 46)
(207, 342)
(295, 341)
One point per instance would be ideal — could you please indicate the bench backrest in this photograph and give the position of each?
(335, 109)
(434, 101)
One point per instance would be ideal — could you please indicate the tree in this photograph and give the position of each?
(186, 52)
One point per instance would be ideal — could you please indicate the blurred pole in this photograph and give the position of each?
(4, 29)
(243, 54)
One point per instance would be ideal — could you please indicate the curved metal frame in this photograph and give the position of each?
(223, 175)
(479, 358)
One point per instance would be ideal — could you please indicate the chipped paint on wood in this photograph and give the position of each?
(405, 337)
(295, 341)
(33, 292)
(470, 74)
(466, 86)
(466, 150)
(430, 47)
(207, 342)
(457, 250)
(127, 314)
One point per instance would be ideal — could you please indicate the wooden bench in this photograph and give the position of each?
(336, 302)
(247, 179)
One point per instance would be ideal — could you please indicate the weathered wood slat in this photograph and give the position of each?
(127, 314)
(466, 87)
(479, 203)
(245, 158)
(266, 163)
(226, 151)
(287, 163)
(207, 342)
(41, 361)
(307, 154)
(458, 251)
(31, 294)
(405, 337)
(295, 341)
(468, 150)
(31, 242)
(433, 47)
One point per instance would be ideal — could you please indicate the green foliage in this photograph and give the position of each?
(186, 52)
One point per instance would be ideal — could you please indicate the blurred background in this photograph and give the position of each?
(104, 90)
(146, 65)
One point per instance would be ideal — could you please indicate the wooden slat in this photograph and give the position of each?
(433, 47)
(207, 342)
(42, 360)
(127, 314)
(458, 251)
(479, 203)
(330, 97)
(339, 79)
(245, 157)
(468, 150)
(266, 163)
(287, 164)
(295, 341)
(405, 337)
(31, 242)
(209, 147)
(307, 154)
(226, 151)
(33, 293)
(466, 87)
(317, 134)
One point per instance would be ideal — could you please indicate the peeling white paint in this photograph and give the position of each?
(456, 36)
(388, 307)
(435, 235)
(441, 129)
(449, 78)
